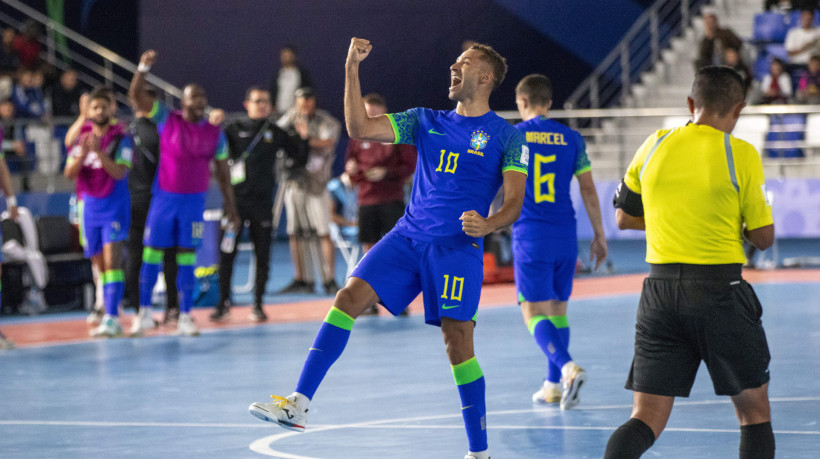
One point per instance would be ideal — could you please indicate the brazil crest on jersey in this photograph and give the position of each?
(460, 164)
(556, 154)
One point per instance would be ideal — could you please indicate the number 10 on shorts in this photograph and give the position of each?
(456, 290)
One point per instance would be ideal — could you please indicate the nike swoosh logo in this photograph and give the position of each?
(314, 349)
(466, 407)
(287, 413)
(432, 131)
(450, 307)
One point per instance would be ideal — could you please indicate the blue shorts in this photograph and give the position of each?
(399, 268)
(174, 220)
(104, 221)
(544, 270)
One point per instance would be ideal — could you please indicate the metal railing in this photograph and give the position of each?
(610, 82)
(614, 135)
(96, 65)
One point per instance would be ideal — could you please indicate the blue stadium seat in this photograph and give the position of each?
(769, 28)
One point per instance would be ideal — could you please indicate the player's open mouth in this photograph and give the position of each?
(455, 81)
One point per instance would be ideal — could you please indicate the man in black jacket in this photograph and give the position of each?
(253, 143)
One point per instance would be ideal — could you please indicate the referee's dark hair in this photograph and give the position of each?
(718, 89)
(536, 88)
(496, 61)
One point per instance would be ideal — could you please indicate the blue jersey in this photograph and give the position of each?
(557, 153)
(460, 164)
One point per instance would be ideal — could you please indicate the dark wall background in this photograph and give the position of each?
(229, 45)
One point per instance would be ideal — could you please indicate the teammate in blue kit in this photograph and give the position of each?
(464, 156)
(545, 241)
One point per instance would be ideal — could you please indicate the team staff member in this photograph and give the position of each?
(253, 143)
(697, 191)
(188, 143)
(464, 156)
(545, 239)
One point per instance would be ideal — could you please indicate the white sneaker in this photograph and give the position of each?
(109, 328)
(142, 321)
(482, 455)
(5, 343)
(548, 393)
(95, 316)
(574, 377)
(289, 412)
(186, 326)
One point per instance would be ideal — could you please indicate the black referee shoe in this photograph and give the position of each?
(222, 312)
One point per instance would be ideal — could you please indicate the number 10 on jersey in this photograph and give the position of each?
(456, 290)
(452, 162)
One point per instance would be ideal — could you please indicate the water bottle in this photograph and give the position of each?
(228, 240)
(73, 213)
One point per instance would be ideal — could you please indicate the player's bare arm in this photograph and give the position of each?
(626, 221)
(597, 248)
(359, 125)
(140, 100)
(474, 225)
(762, 237)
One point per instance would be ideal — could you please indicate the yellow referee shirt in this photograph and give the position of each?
(698, 185)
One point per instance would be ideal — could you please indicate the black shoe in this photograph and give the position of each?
(331, 287)
(171, 317)
(257, 313)
(222, 312)
(297, 286)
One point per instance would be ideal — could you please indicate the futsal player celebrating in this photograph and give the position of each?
(545, 240)
(99, 162)
(188, 143)
(464, 155)
(696, 190)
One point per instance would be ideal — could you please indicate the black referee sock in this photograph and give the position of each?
(630, 440)
(757, 441)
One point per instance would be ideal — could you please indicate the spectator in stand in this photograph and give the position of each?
(802, 42)
(11, 144)
(784, 6)
(28, 45)
(776, 87)
(733, 59)
(808, 89)
(65, 96)
(307, 200)
(715, 41)
(11, 205)
(28, 97)
(9, 58)
(290, 77)
(380, 170)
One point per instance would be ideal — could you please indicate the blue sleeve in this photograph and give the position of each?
(582, 163)
(159, 115)
(405, 125)
(516, 153)
(222, 146)
(125, 152)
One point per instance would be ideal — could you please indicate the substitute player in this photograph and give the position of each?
(698, 191)
(545, 240)
(188, 143)
(99, 162)
(436, 248)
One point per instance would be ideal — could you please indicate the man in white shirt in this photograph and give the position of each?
(804, 41)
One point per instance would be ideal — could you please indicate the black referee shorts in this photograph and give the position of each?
(689, 313)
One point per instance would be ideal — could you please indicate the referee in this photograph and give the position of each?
(697, 192)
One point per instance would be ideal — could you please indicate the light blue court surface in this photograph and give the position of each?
(391, 395)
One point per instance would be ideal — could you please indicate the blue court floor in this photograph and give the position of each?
(391, 395)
